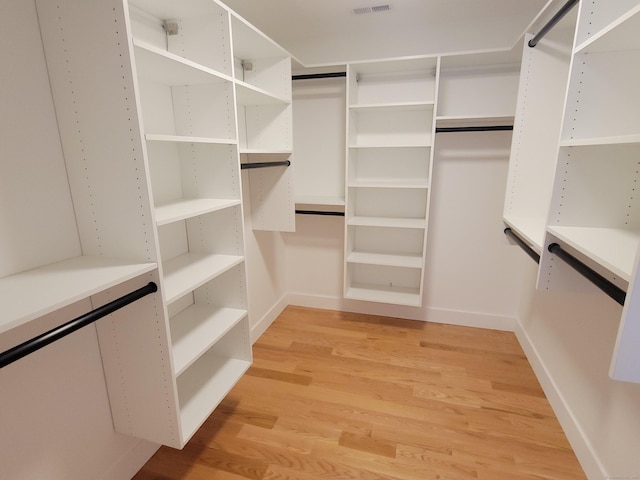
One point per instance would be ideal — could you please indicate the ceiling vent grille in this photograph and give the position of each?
(377, 8)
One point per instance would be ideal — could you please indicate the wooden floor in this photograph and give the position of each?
(334, 395)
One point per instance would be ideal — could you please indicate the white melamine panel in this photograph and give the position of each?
(595, 186)
(271, 197)
(268, 74)
(619, 36)
(393, 82)
(166, 68)
(388, 202)
(197, 328)
(247, 94)
(228, 290)
(169, 9)
(37, 221)
(600, 16)
(217, 232)
(602, 86)
(388, 126)
(389, 165)
(174, 212)
(483, 92)
(182, 171)
(382, 283)
(387, 222)
(191, 270)
(534, 147)
(613, 248)
(37, 292)
(265, 127)
(385, 240)
(249, 43)
(89, 62)
(386, 259)
(142, 389)
(206, 382)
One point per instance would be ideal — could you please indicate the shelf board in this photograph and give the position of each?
(197, 328)
(406, 183)
(622, 34)
(593, 141)
(423, 144)
(203, 386)
(613, 248)
(40, 291)
(358, 221)
(326, 200)
(392, 107)
(194, 207)
(266, 151)
(166, 68)
(390, 260)
(247, 95)
(530, 229)
(155, 137)
(187, 272)
(473, 120)
(377, 293)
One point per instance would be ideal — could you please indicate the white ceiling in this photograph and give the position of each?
(327, 32)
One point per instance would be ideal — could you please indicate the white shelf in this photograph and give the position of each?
(594, 141)
(184, 209)
(613, 248)
(425, 143)
(319, 200)
(203, 386)
(191, 270)
(530, 229)
(417, 223)
(265, 151)
(166, 68)
(152, 137)
(197, 328)
(621, 34)
(247, 94)
(405, 261)
(473, 120)
(392, 107)
(34, 293)
(407, 183)
(375, 293)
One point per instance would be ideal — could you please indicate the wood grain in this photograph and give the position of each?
(348, 396)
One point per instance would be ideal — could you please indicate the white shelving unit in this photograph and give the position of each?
(542, 88)
(390, 128)
(143, 184)
(264, 106)
(574, 171)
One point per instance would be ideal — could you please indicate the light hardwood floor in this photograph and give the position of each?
(335, 395)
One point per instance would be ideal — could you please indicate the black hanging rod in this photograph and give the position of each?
(319, 212)
(319, 75)
(245, 166)
(594, 277)
(36, 343)
(522, 244)
(551, 23)
(485, 128)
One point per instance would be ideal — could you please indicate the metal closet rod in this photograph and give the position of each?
(522, 244)
(36, 343)
(320, 212)
(310, 76)
(246, 166)
(594, 277)
(551, 23)
(485, 128)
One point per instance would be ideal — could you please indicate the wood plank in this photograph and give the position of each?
(342, 395)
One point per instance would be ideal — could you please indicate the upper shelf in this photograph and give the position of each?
(166, 68)
(621, 34)
(34, 293)
(247, 94)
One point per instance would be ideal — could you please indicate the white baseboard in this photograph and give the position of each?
(436, 315)
(583, 449)
(267, 319)
(132, 461)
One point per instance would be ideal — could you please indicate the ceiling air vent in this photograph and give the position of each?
(378, 8)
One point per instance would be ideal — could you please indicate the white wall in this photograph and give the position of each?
(569, 340)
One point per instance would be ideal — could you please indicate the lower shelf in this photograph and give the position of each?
(203, 386)
(377, 293)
